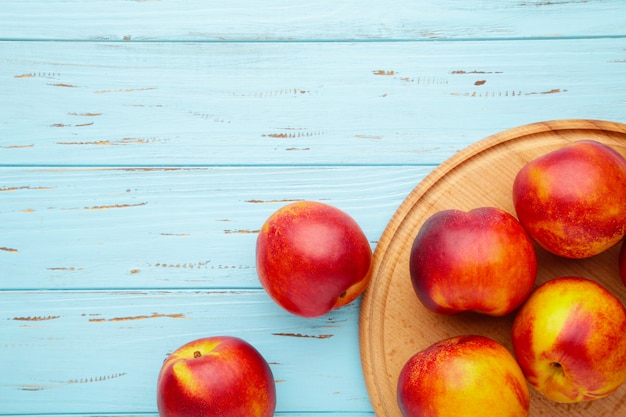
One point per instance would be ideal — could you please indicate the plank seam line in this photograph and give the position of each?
(340, 40)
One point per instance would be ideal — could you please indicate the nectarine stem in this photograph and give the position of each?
(557, 367)
(197, 354)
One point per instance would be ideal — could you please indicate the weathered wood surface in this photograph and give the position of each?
(103, 349)
(168, 228)
(285, 20)
(313, 103)
(143, 144)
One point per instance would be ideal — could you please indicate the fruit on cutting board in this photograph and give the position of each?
(312, 257)
(569, 339)
(219, 376)
(464, 376)
(572, 201)
(480, 260)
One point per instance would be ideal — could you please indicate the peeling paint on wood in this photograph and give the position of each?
(276, 93)
(107, 142)
(64, 85)
(124, 90)
(70, 269)
(552, 3)
(189, 265)
(24, 187)
(96, 379)
(115, 206)
(231, 267)
(42, 387)
(419, 80)
(553, 91)
(74, 125)
(457, 72)
(511, 93)
(292, 135)
(321, 336)
(85, 114)
(273, 201)
(103, 207)
(97, 143)
(384, 73)
(38, 74)
(36, 318)
(36, 387)
(141, 317)
(32, 145)
(241, 231)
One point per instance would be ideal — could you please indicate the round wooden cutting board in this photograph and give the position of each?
(393, 323)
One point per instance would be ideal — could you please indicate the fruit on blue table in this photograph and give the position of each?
(480, 260)
(464, 376)
(572, 201)
(568, 338)
(312, 257)
(219, 376)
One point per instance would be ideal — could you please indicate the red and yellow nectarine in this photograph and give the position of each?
(312, 258)
(464, 376)
(220, 376)
(572, 201)
(568, 338)
(481, 260)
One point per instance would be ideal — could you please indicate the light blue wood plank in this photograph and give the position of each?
(100, 352)
(164, 228)
(302, 103)
(220, 20)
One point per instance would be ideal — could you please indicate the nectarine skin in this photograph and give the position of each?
(464, 376)
(568, 338)
(572, 201)
(221, 376)
(481, 260)
(312, 257)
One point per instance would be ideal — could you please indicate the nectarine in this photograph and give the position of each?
(481, 260)
(312, 258)
(464, 376)
(572, 201)
(568, 338)
(219, 376)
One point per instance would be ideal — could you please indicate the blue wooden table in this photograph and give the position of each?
(143, 144)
